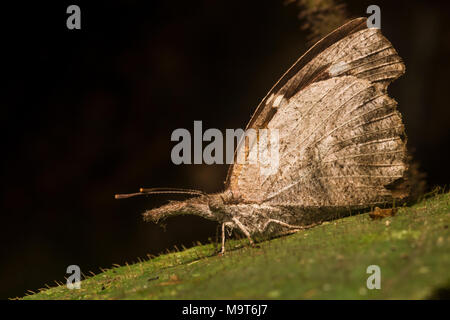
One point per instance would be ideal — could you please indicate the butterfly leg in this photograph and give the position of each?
(293, 228)
(244, 230)
(222, 251)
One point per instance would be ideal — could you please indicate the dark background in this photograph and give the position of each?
(89, 113)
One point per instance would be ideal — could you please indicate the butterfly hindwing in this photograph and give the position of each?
(341, 139)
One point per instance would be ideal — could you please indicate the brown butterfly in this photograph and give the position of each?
(342, 142)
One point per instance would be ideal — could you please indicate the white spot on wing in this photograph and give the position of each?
(270, 98)
(338, 68)
(277, 101)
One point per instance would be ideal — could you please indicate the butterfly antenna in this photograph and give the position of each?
(148, 191)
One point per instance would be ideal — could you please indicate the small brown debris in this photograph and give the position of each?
(378, 213)
(153, 278)
(173, 279)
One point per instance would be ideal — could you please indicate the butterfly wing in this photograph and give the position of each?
(341, 139)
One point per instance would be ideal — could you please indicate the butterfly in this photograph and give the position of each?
(342, 143)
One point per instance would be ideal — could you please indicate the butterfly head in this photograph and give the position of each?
(208, 206)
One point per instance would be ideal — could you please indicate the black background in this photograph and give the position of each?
(89, 113)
